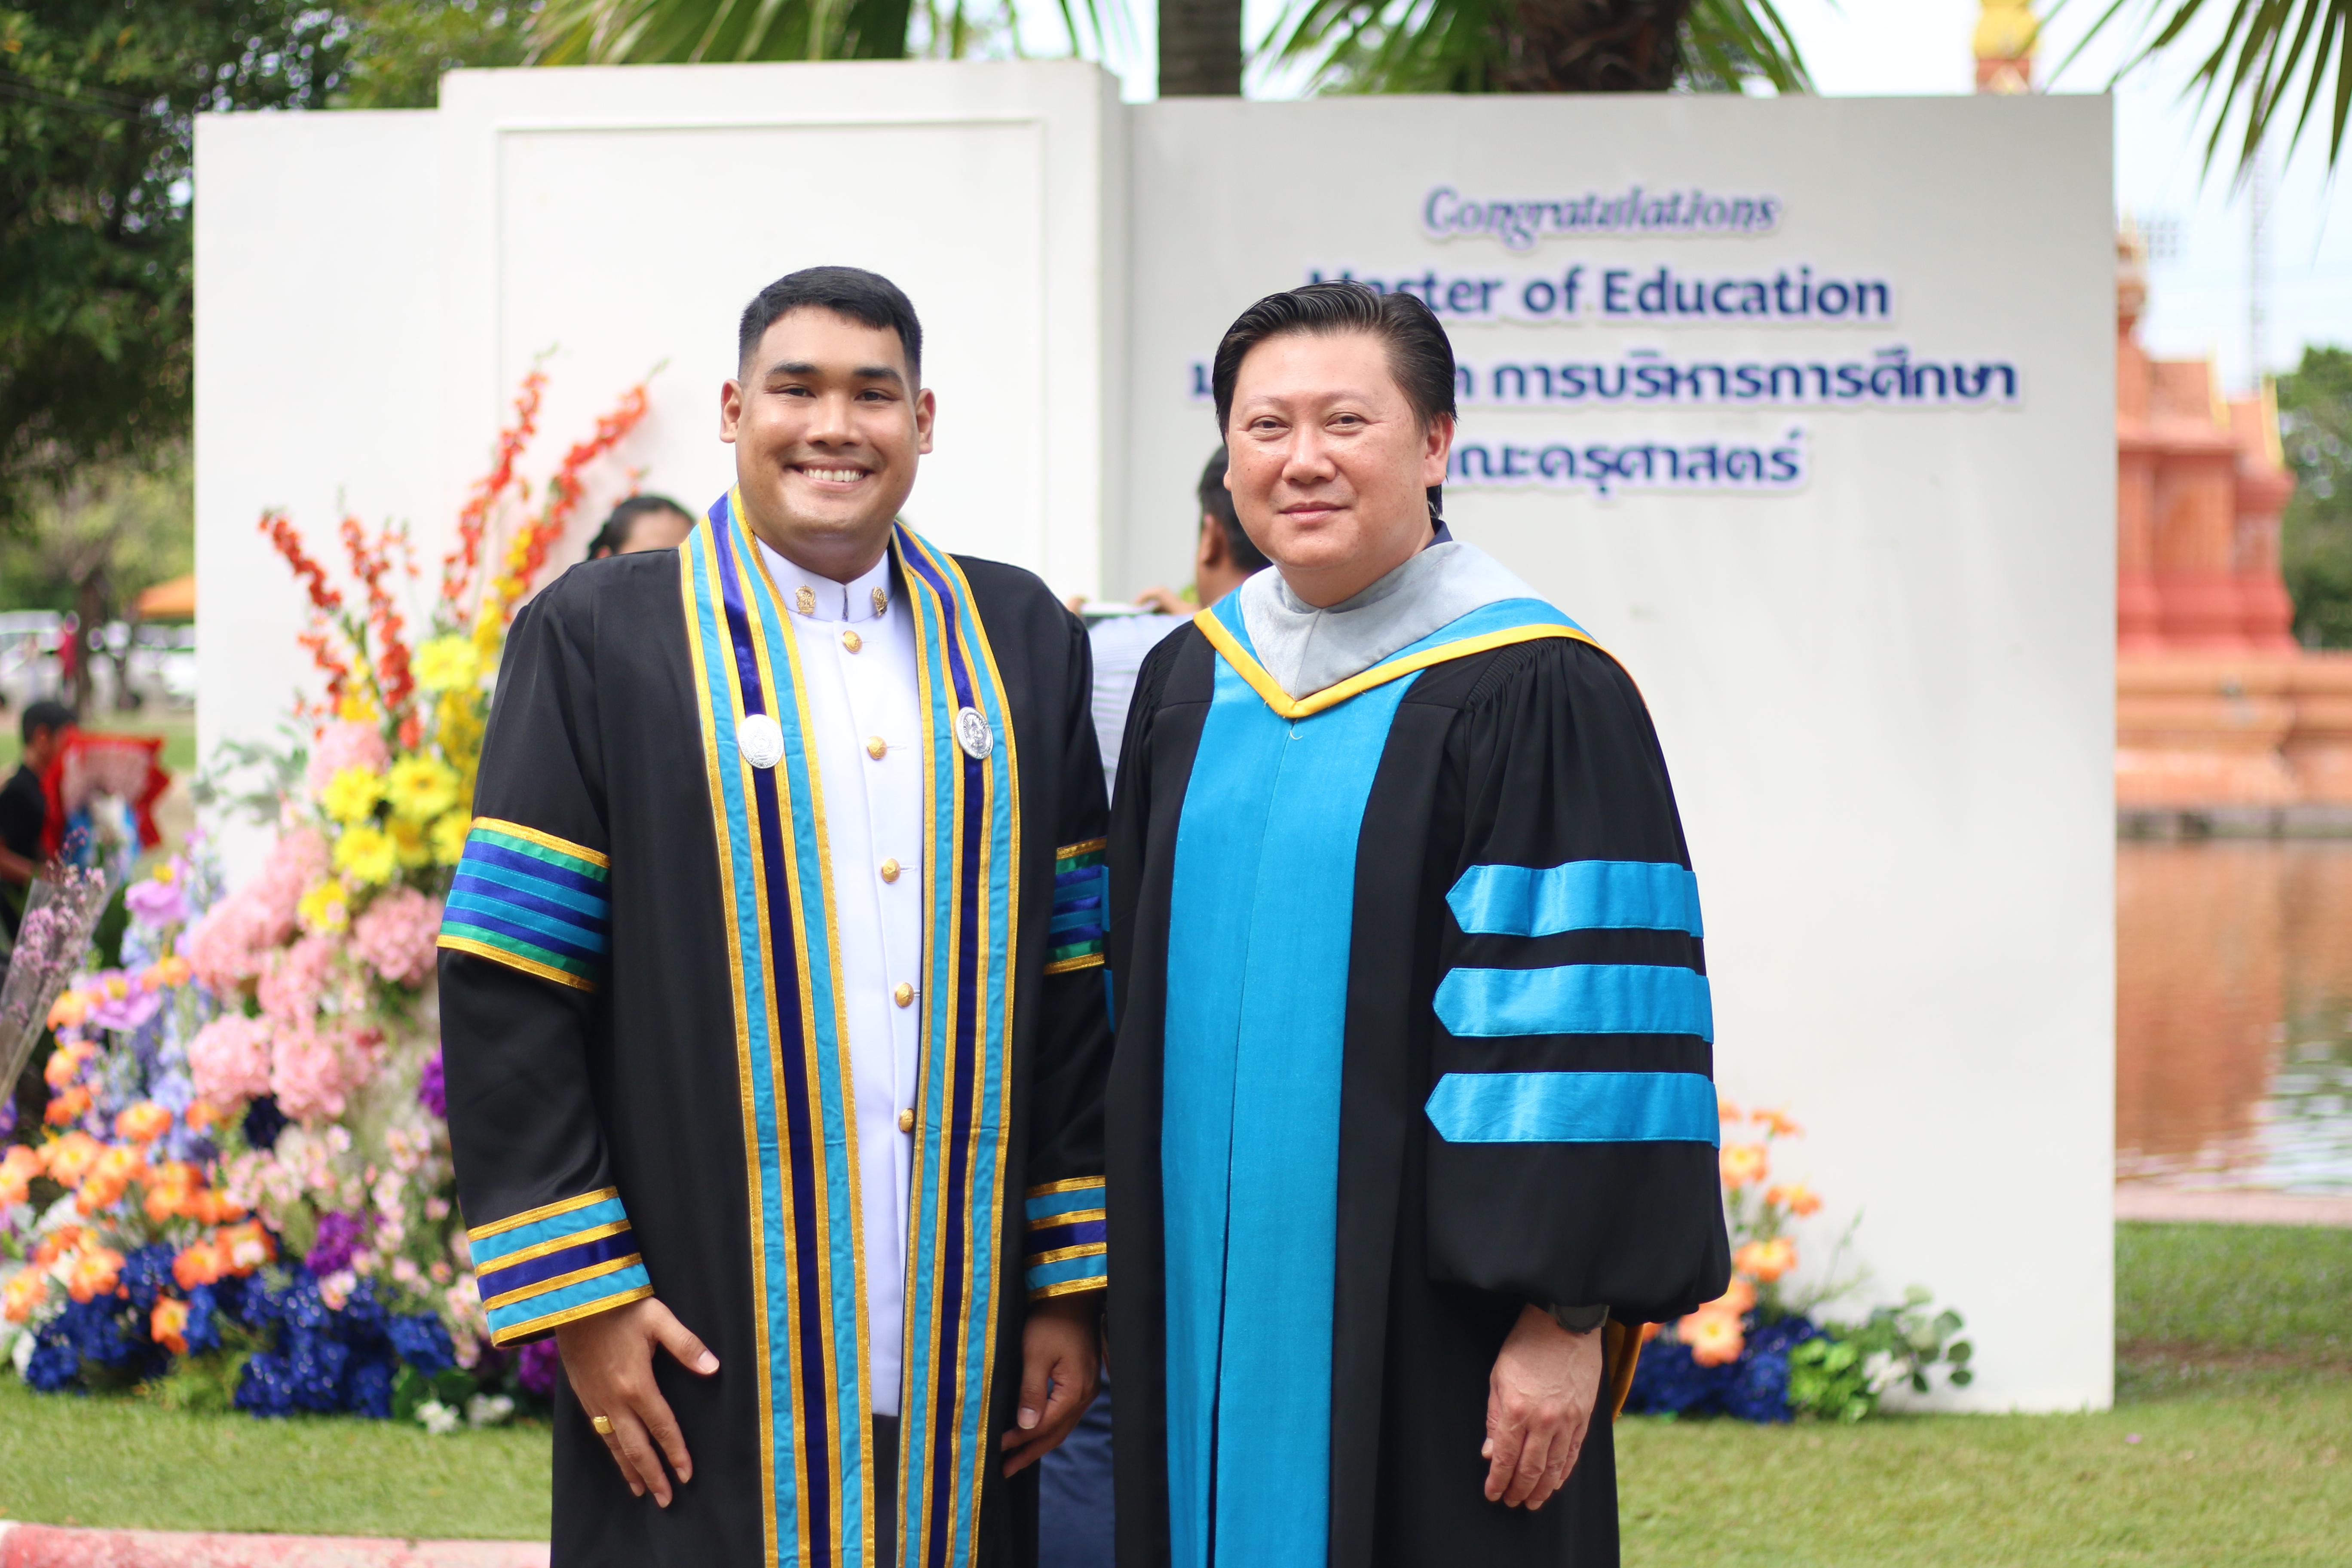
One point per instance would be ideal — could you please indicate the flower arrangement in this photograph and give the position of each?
(245, 1184)
(1761, 1352)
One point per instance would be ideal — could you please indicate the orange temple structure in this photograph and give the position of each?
(2223, 721)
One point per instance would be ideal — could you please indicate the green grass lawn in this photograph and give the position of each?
(2235, 1379)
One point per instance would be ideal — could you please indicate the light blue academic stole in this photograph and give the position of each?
(800, 1129)
(1259, 929)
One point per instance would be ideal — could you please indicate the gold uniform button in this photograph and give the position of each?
(852, 641)
(906, 1122)
(874, 746)
(903, 995)
(890, 870)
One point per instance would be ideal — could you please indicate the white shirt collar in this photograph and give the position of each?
(804, 593)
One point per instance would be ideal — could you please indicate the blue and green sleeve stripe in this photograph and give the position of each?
(548, 1266)
(532, 901)
(1068, 1248)
(1081, 907)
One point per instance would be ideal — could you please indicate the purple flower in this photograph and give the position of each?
(537, 1367)
(120, 1003)
(433, 1087)
(156, 904)
(338, 1236)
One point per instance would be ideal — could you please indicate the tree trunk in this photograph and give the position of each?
(1591, 46)
(90, 611)
(1199, 49)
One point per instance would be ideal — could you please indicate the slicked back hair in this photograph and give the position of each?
(1218, 502)
(1420, 356)
(866, 297)
(613, 537)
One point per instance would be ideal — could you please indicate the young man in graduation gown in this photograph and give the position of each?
(771, 999)
(1413, 1083)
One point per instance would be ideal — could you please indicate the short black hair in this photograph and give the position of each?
(866, 297)
(1420, 356)
(44, 714)
(1218, 502)
(615, 535)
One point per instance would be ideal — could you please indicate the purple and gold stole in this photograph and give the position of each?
(799, 1126)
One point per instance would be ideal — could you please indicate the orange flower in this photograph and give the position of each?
(1795, 1197)
(143, 1122)
(171, 1189)
(1715, 1338)
(199, 1115)
(57, 1245)
(65, 1064)
(1742, 1163)
(16, 1173)
(68, 1106)
(73, 1155)
(120, 1162)
(165, 973)
(68, 1010)
(26, 1291)
(1725, 1110)
(245, 1246)
(1766, 1260)
(199, 1263)
(98, 1191)
(1777, 1122)
(212, 1208)
(168, 1323)
(1737, 1300)
(97, 1272)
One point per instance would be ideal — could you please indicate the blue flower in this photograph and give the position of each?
(1760, 1391)
(362, 1321)
(263, 1122)
(55, 1364)
(315, 1368)
(422, 1342)
(1667, 1381)
(146, 1273)
(202, 1330)
(304, 1310)
(367, 1388)
(268, 1387)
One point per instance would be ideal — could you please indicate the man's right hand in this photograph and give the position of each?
(609, 1358)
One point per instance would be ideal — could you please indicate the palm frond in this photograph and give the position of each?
(688, 32)
(2275, 58)
(1485, 46)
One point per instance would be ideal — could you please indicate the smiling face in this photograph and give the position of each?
(1329, 466)
(827, 425)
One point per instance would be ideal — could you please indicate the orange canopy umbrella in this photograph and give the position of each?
(171, 601)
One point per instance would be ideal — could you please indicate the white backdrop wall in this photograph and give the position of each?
(1885, 692)
(1879, 649)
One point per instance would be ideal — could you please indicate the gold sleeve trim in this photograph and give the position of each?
(1071, 1287)
(1075, 1216)
(546, 840)
(514, 961)
(557, 1282)
(540, 1249)
(1071, 965)
(1063, 1254)
(544, 1211)
(503, 1337)
(1069, 1185)
(1084, 847)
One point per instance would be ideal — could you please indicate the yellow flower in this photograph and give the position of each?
(356, 708)
(447, 664)
(324, 908)
(409, 839)
(366, 855)
(449, 837)
(350, 795)
(421, 788)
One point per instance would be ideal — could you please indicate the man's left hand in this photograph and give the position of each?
(1059, 1355)
(1540, 1404)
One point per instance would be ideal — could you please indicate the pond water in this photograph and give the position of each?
(2233, 1015)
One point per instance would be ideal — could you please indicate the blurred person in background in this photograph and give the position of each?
(642, 522)
(25, 806)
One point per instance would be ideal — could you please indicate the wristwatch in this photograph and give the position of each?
(1579, 1319)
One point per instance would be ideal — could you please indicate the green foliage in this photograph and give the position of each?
(1840, 1376)
(205, 1384)
(1510, 45)
(412, 1389)
(2265, 67)
(97, 100)
(399, 48)
(2234, 1291)
(651, 32)
(114, 528)
(2314, 402)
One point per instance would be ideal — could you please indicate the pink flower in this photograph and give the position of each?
(306, 1074)
(293, 979)
(395, 936)
(345, 745)
(227, 948)
(229, 1059)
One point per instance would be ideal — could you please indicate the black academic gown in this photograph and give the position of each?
(647, 1084)
(1532, 754)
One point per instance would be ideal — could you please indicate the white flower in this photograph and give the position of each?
(488, 1409)
(336, 1288)
(22, 1355)
(1880, 1372)
(438, 1418)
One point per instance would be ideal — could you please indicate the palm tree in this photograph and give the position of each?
(1541, 45)
(2273, 59)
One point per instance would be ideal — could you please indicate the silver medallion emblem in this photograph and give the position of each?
(974, 735)
(760, 740)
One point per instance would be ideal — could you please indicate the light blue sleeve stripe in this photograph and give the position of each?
(579, 933)
(1575, 1107)
(1577, 999)
(1583, 895)
(1088, 1197)
(492, 1248)
(1094, 1267)
(597, 1290)
(599, 911)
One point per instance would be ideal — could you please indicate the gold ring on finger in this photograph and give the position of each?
(603, 1424)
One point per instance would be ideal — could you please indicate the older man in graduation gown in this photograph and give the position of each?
(773, 1005)
(1413, 1083)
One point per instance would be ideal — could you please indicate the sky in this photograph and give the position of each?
(2201, 260)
